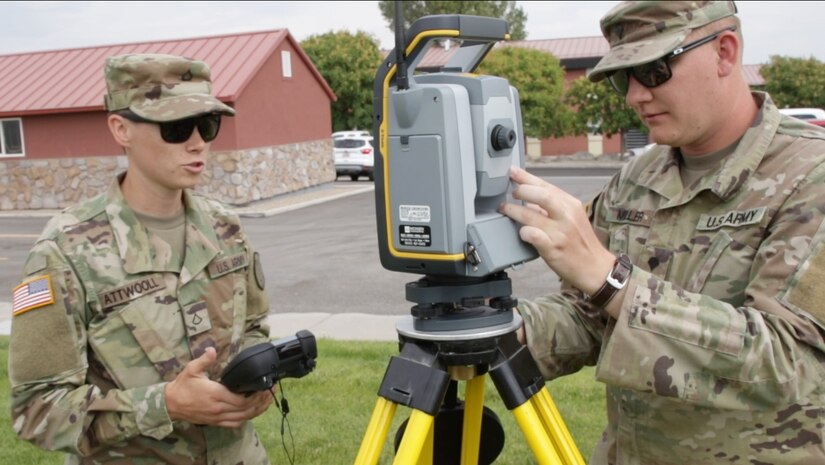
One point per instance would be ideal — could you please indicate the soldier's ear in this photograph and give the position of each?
(728, 53)
(120, 129)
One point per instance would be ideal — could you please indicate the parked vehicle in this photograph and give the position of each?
(810, 115)
(635, 152)
(354, 156)
(804, 113)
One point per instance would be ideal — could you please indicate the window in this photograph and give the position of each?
(11, 137)
(286, 63)
(349, 143)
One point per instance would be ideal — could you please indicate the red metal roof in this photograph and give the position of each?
(752, 75)
(563, 49)
(437, 56)
(72, 80)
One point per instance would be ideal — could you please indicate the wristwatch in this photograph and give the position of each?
(615, 281)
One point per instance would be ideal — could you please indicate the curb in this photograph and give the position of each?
(5, 318)
(617, 165)
(253, 212)
(269, 207)
(339, 326)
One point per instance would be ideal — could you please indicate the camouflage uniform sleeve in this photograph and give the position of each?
(51, 403)
(563, 335)
(761, 355)
(257, 307)
(563, 332)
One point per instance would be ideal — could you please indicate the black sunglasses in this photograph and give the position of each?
(658, 71)
(177, 132)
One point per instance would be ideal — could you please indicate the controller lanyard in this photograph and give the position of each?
(283, 408)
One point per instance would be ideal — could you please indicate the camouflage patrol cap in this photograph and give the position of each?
(640, 32)
(160, 87)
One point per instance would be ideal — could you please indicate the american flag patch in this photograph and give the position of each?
(32, 294)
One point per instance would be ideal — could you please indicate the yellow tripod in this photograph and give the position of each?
(420, 376)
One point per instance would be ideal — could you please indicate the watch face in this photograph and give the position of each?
(618, 277)
(623, 267)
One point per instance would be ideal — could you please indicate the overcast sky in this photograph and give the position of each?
(770, 28)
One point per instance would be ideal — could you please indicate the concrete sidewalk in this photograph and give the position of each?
(343, 326)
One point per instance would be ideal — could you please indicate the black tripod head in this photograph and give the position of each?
(458, 303)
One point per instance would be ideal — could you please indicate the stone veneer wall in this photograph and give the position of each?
(236, 177)
(244, 176)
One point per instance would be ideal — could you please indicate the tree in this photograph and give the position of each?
(515, 16)
(348, 63)
(599, 108)
(540, 81)
(795, 82)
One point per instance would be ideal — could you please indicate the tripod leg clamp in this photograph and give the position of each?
(514, 372)
(415, 379)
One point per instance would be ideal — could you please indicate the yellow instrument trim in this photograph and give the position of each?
(383, 140)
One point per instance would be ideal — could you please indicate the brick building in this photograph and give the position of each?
(55, 147)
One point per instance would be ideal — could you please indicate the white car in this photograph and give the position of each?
(354, 156)
(811, 115)
(804, 113)
(635, 152)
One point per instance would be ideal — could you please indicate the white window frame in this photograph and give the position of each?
(286, 64)
(3, 153)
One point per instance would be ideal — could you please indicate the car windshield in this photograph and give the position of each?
(349, 143)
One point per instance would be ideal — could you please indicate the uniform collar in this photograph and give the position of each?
(202, 243)
(662, 176)
(133, 240)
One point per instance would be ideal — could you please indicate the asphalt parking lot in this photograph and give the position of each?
(320, 260)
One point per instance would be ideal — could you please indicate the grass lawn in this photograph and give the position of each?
(331, 407)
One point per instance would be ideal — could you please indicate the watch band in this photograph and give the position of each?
(615, 281)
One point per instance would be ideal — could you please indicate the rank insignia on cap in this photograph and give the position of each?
(32, 294)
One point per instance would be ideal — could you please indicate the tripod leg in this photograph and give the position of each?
(376, 434)
(523, 391)
(555, 427)
(414, 379)
(427, 454)
(536, 436)
(473, 410)
(418, 433)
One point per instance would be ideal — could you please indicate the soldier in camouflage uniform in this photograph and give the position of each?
(134, 301)
(710, 335)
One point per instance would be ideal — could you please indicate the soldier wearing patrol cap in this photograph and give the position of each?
(695, 286)
(134, 301)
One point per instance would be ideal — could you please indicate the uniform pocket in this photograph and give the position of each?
(132, 350)
(619, 238)
(628, 239)
(723, 269)
(689, 322)
(219, 319)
